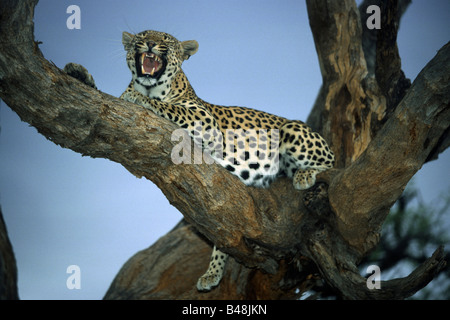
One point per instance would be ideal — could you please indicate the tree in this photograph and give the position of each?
(381, 128)
(8, 269)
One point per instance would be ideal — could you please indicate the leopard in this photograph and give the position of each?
(256, 146)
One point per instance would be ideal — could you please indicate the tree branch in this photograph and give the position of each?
(152, 273)
(8, 267)
(349, 107)
(345, 279)
(388, 69)
(370, 36)
(400, 149)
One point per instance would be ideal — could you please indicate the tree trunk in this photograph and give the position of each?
(379, 143)
(8, 268)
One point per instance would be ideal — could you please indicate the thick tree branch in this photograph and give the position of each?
(388, 69)
(349, 106)
(353, 109)
(8, 268)
(370, 36)
(345, 279)
(400, 149)
(258, 227)
(349, 53)
(174, 259)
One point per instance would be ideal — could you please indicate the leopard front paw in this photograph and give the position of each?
(128, 96)
(304, 179)
(79, 72)
(134, 97)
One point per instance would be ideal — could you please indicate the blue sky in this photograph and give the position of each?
(63, 209)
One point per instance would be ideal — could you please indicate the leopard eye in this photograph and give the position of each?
(162, 47)
(140, 44)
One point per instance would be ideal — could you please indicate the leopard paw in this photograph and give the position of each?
(305, 179)
(79, 72)
(208, 281)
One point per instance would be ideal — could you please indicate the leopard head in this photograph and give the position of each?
(155, 57)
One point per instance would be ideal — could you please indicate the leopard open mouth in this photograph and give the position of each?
(151, 65)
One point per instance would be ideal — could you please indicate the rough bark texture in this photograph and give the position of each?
(8, 268)
(326, 229)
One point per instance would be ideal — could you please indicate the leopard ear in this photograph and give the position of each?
(127, 39)
(189, 48)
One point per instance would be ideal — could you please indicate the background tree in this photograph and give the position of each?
(381, 128)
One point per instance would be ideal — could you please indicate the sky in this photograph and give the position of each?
(62, 209)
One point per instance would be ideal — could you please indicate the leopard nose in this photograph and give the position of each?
(151, 44)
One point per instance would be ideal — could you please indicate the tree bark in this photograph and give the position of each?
(325, 229)
(169, 269)
(8, 267)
